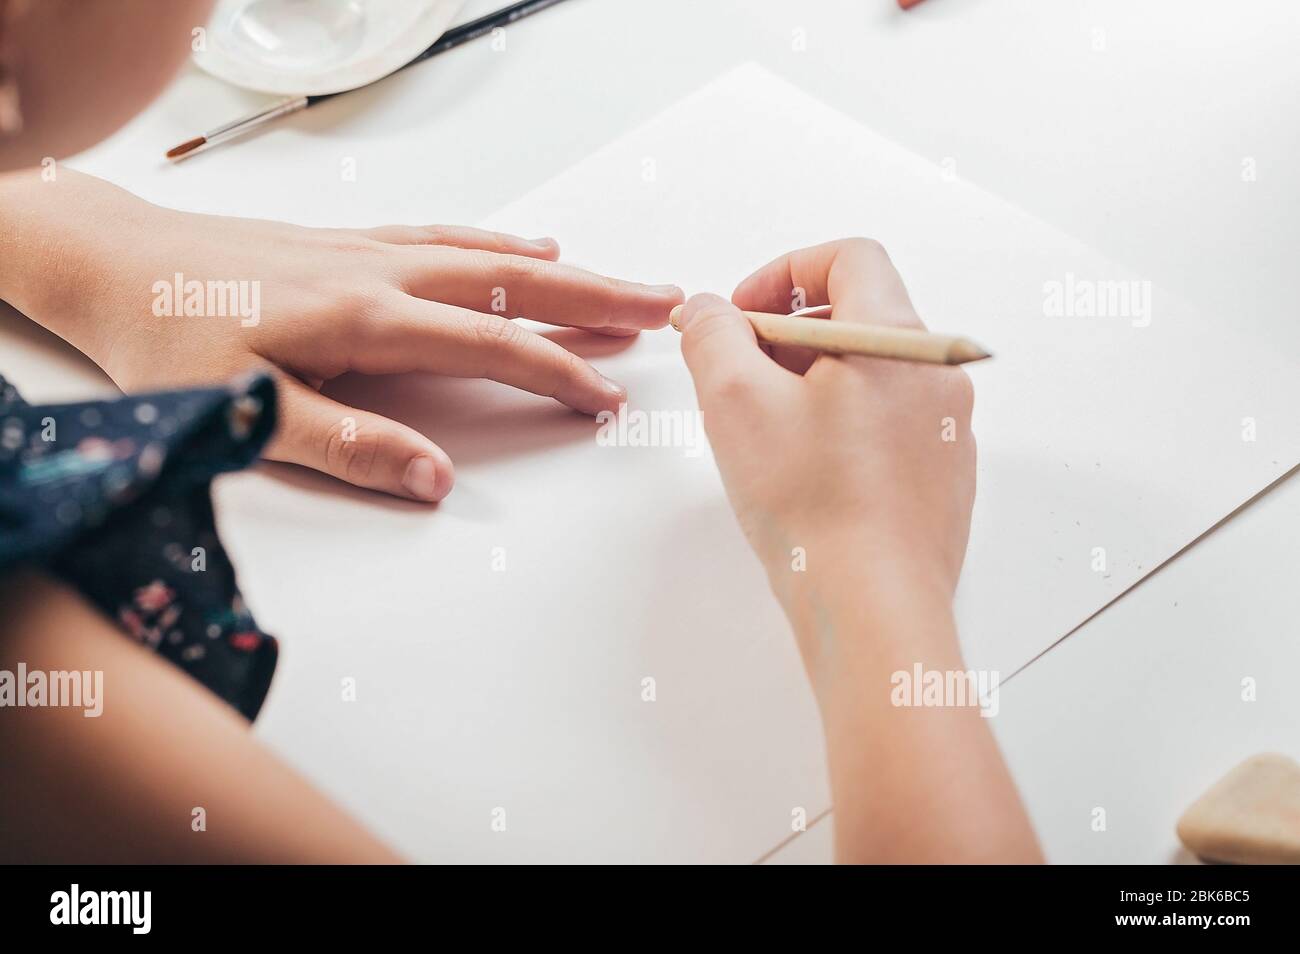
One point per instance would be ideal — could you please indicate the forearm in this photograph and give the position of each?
(52, 235)
(911, 783)
(121, 787)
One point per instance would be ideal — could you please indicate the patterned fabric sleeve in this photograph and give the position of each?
(115, 498)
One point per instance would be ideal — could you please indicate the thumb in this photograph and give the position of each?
(722, 351)
(357, 446)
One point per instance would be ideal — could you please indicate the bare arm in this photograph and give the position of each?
(123, 787)
(911, 784)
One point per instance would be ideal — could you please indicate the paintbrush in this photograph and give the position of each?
(452, 38)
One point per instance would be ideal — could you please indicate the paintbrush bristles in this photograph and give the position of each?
(186, 147)
(855, 338)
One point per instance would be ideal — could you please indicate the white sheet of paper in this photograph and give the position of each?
(500, 643)
(1094, 432)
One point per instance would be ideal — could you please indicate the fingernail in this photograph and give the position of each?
(615, 389)
(668, 291)
(421, 478)
(546, 242)
(693, 307)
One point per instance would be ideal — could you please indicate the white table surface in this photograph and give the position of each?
(1137, 148)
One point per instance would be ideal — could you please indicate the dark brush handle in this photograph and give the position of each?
(462, 34)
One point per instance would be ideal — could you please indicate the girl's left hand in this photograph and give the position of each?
(99, 267)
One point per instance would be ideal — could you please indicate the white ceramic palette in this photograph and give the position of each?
(312, 47)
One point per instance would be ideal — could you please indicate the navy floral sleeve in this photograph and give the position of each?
(114, 498)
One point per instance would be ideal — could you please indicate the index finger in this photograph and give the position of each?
(515, 286)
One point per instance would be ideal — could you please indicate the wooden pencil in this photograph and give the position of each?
(810, 328)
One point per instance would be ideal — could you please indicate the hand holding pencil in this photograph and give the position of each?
(886, 443)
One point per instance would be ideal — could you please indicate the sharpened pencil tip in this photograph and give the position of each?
(964, 351)
(185, 148)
